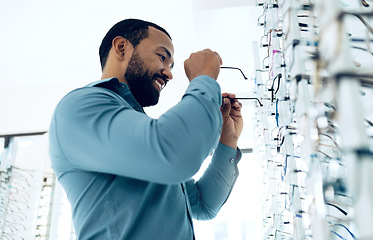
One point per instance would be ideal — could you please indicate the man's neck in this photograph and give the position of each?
(106, 75)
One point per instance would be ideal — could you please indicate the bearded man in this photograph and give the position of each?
(129, 176)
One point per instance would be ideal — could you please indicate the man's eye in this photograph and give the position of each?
(163, 58)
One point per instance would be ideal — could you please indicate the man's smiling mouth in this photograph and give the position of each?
(160, 83)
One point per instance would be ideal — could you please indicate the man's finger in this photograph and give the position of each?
(237, 105)
(219, 58)
(226, 108)
(225, 94)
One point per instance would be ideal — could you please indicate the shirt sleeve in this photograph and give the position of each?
(211, 191)
(94, 129)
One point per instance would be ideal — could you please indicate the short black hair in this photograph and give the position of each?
(134, 30)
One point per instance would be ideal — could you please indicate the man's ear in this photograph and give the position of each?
(120, 45)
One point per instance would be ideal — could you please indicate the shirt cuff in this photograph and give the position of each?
(226, 157)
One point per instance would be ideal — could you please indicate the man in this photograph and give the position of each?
(128, 176)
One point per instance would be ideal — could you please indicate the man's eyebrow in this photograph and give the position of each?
(168, 54)
(166, 50)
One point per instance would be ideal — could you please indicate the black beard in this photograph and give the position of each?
(141, 82)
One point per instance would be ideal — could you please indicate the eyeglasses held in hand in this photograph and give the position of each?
(236, 69)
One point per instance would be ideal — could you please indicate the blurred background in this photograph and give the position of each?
(48, 48)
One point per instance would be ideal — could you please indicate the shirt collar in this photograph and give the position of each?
(119, 88)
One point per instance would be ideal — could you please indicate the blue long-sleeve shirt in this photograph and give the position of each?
(128, 176)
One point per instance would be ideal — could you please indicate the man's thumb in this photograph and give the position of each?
(226, 107)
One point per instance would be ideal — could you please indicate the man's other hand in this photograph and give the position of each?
(232, 120)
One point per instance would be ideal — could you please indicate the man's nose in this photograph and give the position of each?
(167, 73)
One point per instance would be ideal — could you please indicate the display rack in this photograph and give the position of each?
(316, 137)
(31, 201)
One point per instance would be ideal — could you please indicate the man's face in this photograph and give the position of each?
(141, 82)
(149, 68)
